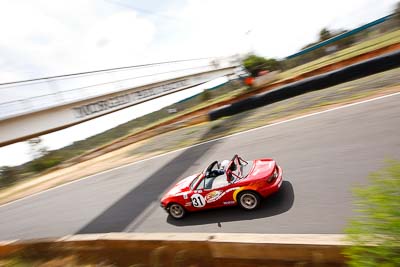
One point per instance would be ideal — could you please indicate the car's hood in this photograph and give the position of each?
(182, 185)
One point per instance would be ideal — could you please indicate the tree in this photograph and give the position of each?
(325, 34)
(375, 232)
(397, 12)
(254, 64)
(42, 158)
(37, 148)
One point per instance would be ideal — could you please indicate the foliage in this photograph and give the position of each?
(349, 40)
(43, 163)
(37, 147)
(56, 261)
(254, 64)
(8, 175)
(341, 44)
(375, 232)
(206, 95)
(325, 34)
(397, 12)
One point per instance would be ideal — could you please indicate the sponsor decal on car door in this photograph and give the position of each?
(203, 198)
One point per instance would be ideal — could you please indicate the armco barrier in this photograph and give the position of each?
(208, 250)
(352, 72)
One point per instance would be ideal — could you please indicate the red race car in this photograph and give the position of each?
(224, 184)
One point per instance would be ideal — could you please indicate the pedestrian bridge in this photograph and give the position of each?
(35, 107)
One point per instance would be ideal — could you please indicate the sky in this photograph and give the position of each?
(52, 37)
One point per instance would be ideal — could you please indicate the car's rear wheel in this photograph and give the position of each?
(249, 200)
(176, 211)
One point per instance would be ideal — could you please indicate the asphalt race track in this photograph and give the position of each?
(322, 155)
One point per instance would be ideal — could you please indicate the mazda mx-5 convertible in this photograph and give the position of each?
(231, 182)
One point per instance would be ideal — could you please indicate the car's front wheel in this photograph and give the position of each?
(176, 211)
(249, 200)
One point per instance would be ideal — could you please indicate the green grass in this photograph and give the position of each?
(355, 50)
(204, 104)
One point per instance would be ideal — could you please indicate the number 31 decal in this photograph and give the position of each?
(198, 201)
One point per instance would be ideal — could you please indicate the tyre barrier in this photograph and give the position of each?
(346, 74)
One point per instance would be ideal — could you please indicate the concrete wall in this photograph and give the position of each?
(209, 250)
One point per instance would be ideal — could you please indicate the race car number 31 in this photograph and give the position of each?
(198, 201)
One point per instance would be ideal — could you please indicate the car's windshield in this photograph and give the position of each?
(194, 182)
(213, 166)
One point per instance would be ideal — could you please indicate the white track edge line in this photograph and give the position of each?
(199, 144)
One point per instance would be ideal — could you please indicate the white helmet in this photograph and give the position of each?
(224, 164)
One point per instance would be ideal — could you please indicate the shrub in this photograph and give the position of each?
(375, 231)
(254, 64)
(44, 163)
(8, 176)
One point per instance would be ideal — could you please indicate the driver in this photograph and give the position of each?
(215, 173)
(222, 168)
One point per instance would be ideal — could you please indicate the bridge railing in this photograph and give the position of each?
(30, 96)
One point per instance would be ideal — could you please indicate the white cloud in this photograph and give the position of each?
(278, 28)
(118, 40)
(47, 38)
(50, 37)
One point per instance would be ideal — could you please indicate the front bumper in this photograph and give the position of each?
(164, 206)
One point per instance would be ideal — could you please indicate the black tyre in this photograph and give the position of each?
(249, 200)
(176, 211)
